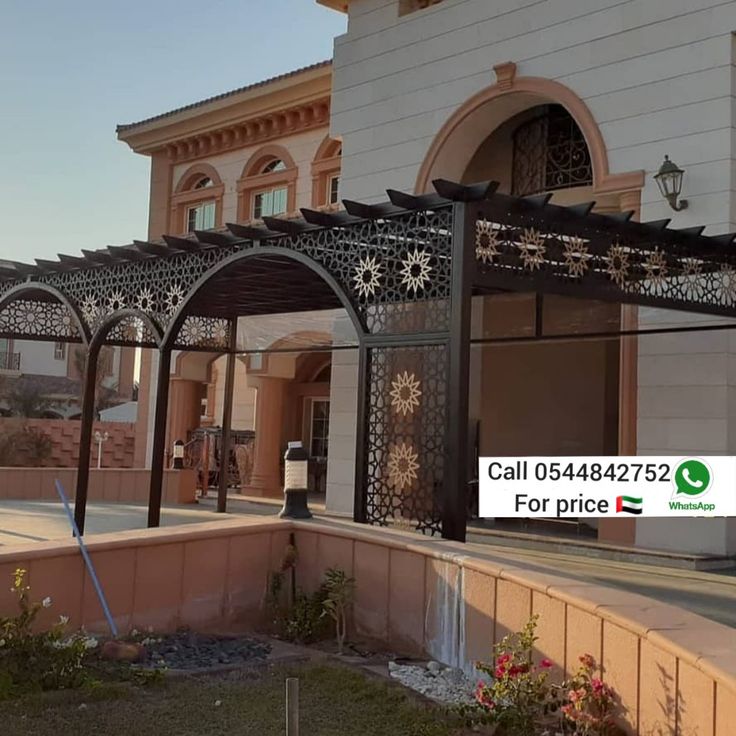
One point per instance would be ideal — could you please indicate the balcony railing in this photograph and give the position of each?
(9, 361)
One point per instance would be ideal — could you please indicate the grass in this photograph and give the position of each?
(334, 700)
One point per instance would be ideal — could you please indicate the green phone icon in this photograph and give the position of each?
(692, 477)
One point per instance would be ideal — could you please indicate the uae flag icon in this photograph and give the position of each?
(629, 505)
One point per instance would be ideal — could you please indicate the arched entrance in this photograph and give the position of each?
(536, 138)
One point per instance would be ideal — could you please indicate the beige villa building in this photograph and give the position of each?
(580, 100)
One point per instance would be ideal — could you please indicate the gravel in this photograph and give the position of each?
(442, 684)
(192, 651)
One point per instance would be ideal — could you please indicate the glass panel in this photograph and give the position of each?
(279, 201)
(201, 217)
(334, 190)
(320, 427)
(208, 216)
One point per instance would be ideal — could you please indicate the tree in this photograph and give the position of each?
(104, 395)
(24, 399)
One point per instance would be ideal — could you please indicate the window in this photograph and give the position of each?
(320, 428)
(196, 203)
(59, 351)
(269, 203)
(333, 192)
(201, 217)
(267, 187)
(550, 153)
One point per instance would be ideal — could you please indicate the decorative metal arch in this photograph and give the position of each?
(58, 320)
(405, 271)
(172, 335)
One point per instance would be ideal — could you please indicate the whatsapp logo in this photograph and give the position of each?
(692, 478)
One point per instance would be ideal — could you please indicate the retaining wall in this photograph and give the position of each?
(125, 485)
(675, 671)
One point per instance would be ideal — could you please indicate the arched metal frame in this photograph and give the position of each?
(405, 272)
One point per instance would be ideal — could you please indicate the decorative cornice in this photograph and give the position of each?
(295, 119)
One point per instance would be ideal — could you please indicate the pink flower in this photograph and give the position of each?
(587, 661)
(503, 659)
(546, 664)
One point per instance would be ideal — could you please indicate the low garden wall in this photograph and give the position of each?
(124, 485)
(117, 452)
(675, 671)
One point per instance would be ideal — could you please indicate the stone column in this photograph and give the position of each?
(266, 478)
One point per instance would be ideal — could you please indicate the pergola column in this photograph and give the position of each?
(227, 415)
(266, 478)
(85, 436)
(159, 438)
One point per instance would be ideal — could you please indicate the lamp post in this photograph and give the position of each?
(669, 181)
(100, 438)
(296, 462)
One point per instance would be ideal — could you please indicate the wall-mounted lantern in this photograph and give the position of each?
(669, 180)
(296, 483)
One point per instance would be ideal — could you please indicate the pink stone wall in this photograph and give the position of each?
(108, 484)
(675, 671)
(117, 452)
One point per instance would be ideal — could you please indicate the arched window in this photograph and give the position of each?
(268, 185)
(326, 174)
(549, 153)
(197, 200)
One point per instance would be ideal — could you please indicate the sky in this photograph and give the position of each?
(71, 71)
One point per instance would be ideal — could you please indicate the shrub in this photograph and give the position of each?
(21, 445)
(37, 661)
(340, 590)
(519, 699)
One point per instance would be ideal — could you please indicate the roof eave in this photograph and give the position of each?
(339, 5)
(230, 108)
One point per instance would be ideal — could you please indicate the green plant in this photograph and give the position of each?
(340, 592)
(588, 702)
(518, 697)
(37, 661)
(304, 622)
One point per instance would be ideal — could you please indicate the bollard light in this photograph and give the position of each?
(296, 483)
(178, 455)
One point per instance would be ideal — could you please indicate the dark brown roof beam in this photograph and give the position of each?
(152, 249)
(290, 227)
(658, 224)
(212, 237)
(370, 211)
(327, 219)
(465, 192)
(191, 246)
(725, 240)
(248, 232)
(583, 210)
(98, 256)
(47, 266)
(416, 202)
(126, 252)
(73, 260)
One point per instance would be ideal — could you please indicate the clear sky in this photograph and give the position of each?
(71, 71)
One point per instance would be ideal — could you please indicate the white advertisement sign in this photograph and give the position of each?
(566, 487)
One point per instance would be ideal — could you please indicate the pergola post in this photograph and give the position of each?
(454, 513)
(227, 415)
(85, 436)
(159, 437)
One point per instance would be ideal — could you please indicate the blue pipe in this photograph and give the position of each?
(87, 560)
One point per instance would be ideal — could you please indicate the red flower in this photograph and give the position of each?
(503, 659)
(546, 664)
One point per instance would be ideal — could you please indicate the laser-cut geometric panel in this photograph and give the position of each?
(405, 436)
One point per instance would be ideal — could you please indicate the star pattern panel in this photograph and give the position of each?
(405, 435)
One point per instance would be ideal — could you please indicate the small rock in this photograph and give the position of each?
(393, 667)
(218, 703)
(434, 667)
(121, 652)
(82, 706)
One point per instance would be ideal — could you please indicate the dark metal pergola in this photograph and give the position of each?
(405, 272)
